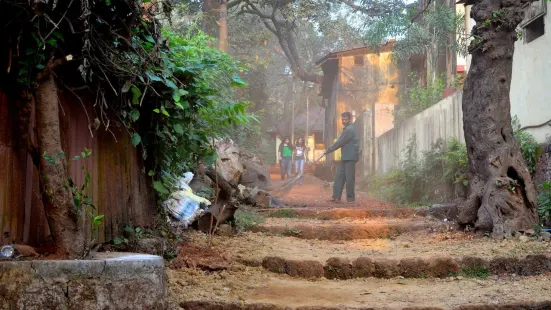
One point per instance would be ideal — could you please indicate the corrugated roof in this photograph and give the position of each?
(356, 51)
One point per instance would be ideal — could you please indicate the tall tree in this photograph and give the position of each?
(424, 29)
(502, 196)
(284, 18)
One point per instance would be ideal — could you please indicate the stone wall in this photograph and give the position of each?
(109, 281)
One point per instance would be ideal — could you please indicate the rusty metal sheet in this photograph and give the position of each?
(119, 188)
(12, 176)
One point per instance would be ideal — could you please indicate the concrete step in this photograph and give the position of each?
(351, 229)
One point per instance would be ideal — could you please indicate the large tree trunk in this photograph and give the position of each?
(61, 213)
(209, 18)
(223, 26)
(502, 198)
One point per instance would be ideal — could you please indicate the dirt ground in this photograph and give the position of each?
(245, 284)
(316, 193)
(457, 245)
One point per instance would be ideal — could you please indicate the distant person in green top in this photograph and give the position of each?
(285, 158)
(349, 144)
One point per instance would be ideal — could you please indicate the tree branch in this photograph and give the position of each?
(373, 10)
(283, 30)
(52, 65)
(234, 3)
(422, 11)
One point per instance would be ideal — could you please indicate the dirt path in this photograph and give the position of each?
(316, 193)
(386, 257)
(254, 285)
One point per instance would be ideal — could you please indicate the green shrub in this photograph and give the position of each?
(479, 272)
(433, 176)
(528, 145)
(419, 97)
(456, 162)
(284, 213)
(245, 219)
(426, 178)
(544, 201)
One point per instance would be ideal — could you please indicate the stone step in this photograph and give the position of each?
(254, 288)
(342, 213)
(350, 230)
(217, 305)
(434, 267)
(254, 247)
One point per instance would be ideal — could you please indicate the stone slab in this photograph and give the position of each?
(105, 281)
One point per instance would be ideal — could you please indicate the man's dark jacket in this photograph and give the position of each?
(349, 144)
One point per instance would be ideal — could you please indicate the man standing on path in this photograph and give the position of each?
(348, 142)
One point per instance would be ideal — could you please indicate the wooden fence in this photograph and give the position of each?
(119, 187)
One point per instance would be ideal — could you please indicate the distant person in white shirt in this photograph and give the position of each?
(301, 153)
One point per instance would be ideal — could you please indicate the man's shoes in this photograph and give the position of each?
(351, 202)
(333, 200)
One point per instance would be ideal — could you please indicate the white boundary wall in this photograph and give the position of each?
(442, 120)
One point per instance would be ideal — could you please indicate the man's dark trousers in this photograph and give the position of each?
(346, 173)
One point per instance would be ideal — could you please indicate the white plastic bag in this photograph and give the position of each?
(183, 205)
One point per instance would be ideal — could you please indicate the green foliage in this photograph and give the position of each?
(196, 107)
(292, 232)
(206, 192)
(82, 202)
(433, 177)
(544, 201)
(456, 162)
(418, 97)
(134, 231)
(430, 178)
(173, 92)
(285, 213)
(429, 36)
(528, 145)
(120, 241)
(245, 219)
(479, 272)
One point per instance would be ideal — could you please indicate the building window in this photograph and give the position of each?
(359, 60)
(534, 30)
(533, 25)
(318, 137)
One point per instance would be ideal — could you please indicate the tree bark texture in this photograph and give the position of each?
(61, 214)
(210, 16)
(502, 197)
(223, 26)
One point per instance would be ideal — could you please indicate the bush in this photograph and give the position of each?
(435, 175)
(430, 178)
(245, 219)
(528, 145)
(544, 202)
(456, 162)
(419, 97)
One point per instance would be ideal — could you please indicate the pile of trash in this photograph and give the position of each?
(183, 205)
(238, 179)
